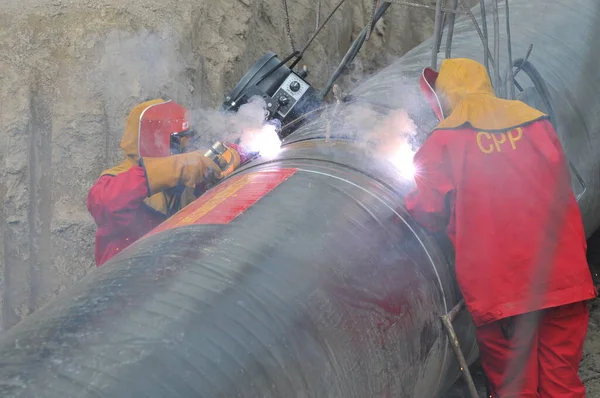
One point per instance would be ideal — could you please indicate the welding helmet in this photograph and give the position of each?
(427, 86)
(163, 130)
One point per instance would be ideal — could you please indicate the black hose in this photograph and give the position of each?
(296, 54)
(352, 52)
(540, 85)
(529, 50)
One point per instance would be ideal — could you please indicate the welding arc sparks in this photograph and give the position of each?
(264, 140)
(402, 159)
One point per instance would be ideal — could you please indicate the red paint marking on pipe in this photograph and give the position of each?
(261, 183)
(228, 200)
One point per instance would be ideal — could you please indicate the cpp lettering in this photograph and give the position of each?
(490, 143)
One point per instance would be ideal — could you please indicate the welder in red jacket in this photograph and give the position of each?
(493, 174)
(155, 180)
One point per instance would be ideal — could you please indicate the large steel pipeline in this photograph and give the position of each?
(302, 275)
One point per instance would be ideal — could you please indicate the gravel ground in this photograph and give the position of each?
(590, 365)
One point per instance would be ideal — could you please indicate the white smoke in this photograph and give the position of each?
(391, 141)
(126, 74)
(248, 126)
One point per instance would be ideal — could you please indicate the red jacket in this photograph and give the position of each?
(494, 172)
(119, 201)
(495, 193)
(117, 205)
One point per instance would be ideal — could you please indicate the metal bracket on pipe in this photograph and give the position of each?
(464, 367)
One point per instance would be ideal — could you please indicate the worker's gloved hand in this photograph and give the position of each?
(229, 161)
(235, 156)
(243, 153)
(188, 169)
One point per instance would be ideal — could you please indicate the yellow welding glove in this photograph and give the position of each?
(189, 169)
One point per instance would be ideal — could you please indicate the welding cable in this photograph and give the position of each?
(484, 40)
(511, 86)
(497, 80)
(295, 53)
(279, 65)
(529, 50)
(351, 53)
(318, 16)
(338, 5)
(371, 17)
(486, 62)
(539, 84)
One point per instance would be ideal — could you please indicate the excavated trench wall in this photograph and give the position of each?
(70, 71)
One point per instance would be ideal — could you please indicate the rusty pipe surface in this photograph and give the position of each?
(302, 275)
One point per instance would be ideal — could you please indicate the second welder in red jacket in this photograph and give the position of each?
(156, 179)
(493, 173)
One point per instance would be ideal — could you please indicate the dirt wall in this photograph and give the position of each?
(70, 71)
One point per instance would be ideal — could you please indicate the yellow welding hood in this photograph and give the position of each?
(147, 132)
(467, 96)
